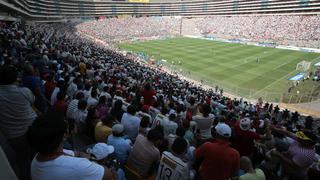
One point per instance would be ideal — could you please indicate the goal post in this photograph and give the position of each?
(303, 66)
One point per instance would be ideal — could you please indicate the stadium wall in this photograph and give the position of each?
(59, 9)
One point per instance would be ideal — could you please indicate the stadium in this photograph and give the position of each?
(160, 89)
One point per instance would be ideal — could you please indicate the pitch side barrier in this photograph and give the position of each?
(261, 44)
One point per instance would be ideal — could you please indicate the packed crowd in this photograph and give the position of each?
(294, 30)
(71, 109)
(287, 30)
(120, 29)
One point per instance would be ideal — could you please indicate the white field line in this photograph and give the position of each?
(278, 79)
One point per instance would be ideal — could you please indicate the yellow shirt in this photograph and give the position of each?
(101, 132)
(83, 68)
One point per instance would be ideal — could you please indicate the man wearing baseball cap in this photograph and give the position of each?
(243, 140)
(219, 160)
(121, 145)
(300, 155)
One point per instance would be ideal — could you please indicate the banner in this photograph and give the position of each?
(297, 77)
(139, 1)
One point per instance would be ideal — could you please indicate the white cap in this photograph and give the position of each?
(223, 129)
(100, 150)
(245, 124)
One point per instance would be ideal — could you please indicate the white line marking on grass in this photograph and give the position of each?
(278, 79)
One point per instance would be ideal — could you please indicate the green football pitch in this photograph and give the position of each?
(233, 66)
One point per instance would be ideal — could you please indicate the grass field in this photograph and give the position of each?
(230, 65)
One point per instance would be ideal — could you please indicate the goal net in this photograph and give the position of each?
(303, 66)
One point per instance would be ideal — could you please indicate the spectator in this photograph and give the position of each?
(73, 105)
(91, 122)
(105, 92)
(61, 105)
(72, 88)
(180, 132)
(122, 146)
(92, 100)
(16, 116)
(145, 155)
(58, 88)
(52, 161)
(148, 94)
(32, 81)
(49, 86)
(102, 107)
(144, 125)
(213, 155)
(103, 128)
(181, 171)
(299, 157)
(131, 123)
(188, 133)
(250, 173)
(244, 138)
(117, 110)
(80, 116)
(204, 121)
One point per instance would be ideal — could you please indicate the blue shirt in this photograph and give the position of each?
(33, 82)
(121, 146)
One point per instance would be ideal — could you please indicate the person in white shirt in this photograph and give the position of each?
(87, 91)
(92, 100)
(55, 92)
(105, 92)
(169, 125)
(131, 123)
(72, 88)
(80, 116)
(52, 162)
(73, 105)
(204, 121)
(172, 166)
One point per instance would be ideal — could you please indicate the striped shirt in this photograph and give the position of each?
(73, 107)
(15, 110)
(303, 157)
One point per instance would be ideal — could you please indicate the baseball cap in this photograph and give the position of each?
(117, 128)
(306, 136)
(245, 124)
(223, 130)
(100, 150)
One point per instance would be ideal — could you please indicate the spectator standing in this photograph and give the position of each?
(299, 157)
(219, 160)
(204, 122)
(244, 138)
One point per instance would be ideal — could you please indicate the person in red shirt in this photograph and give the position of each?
(49, 86)
(61, 104)
(219, 160)
(148, 94)
(243, 140)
